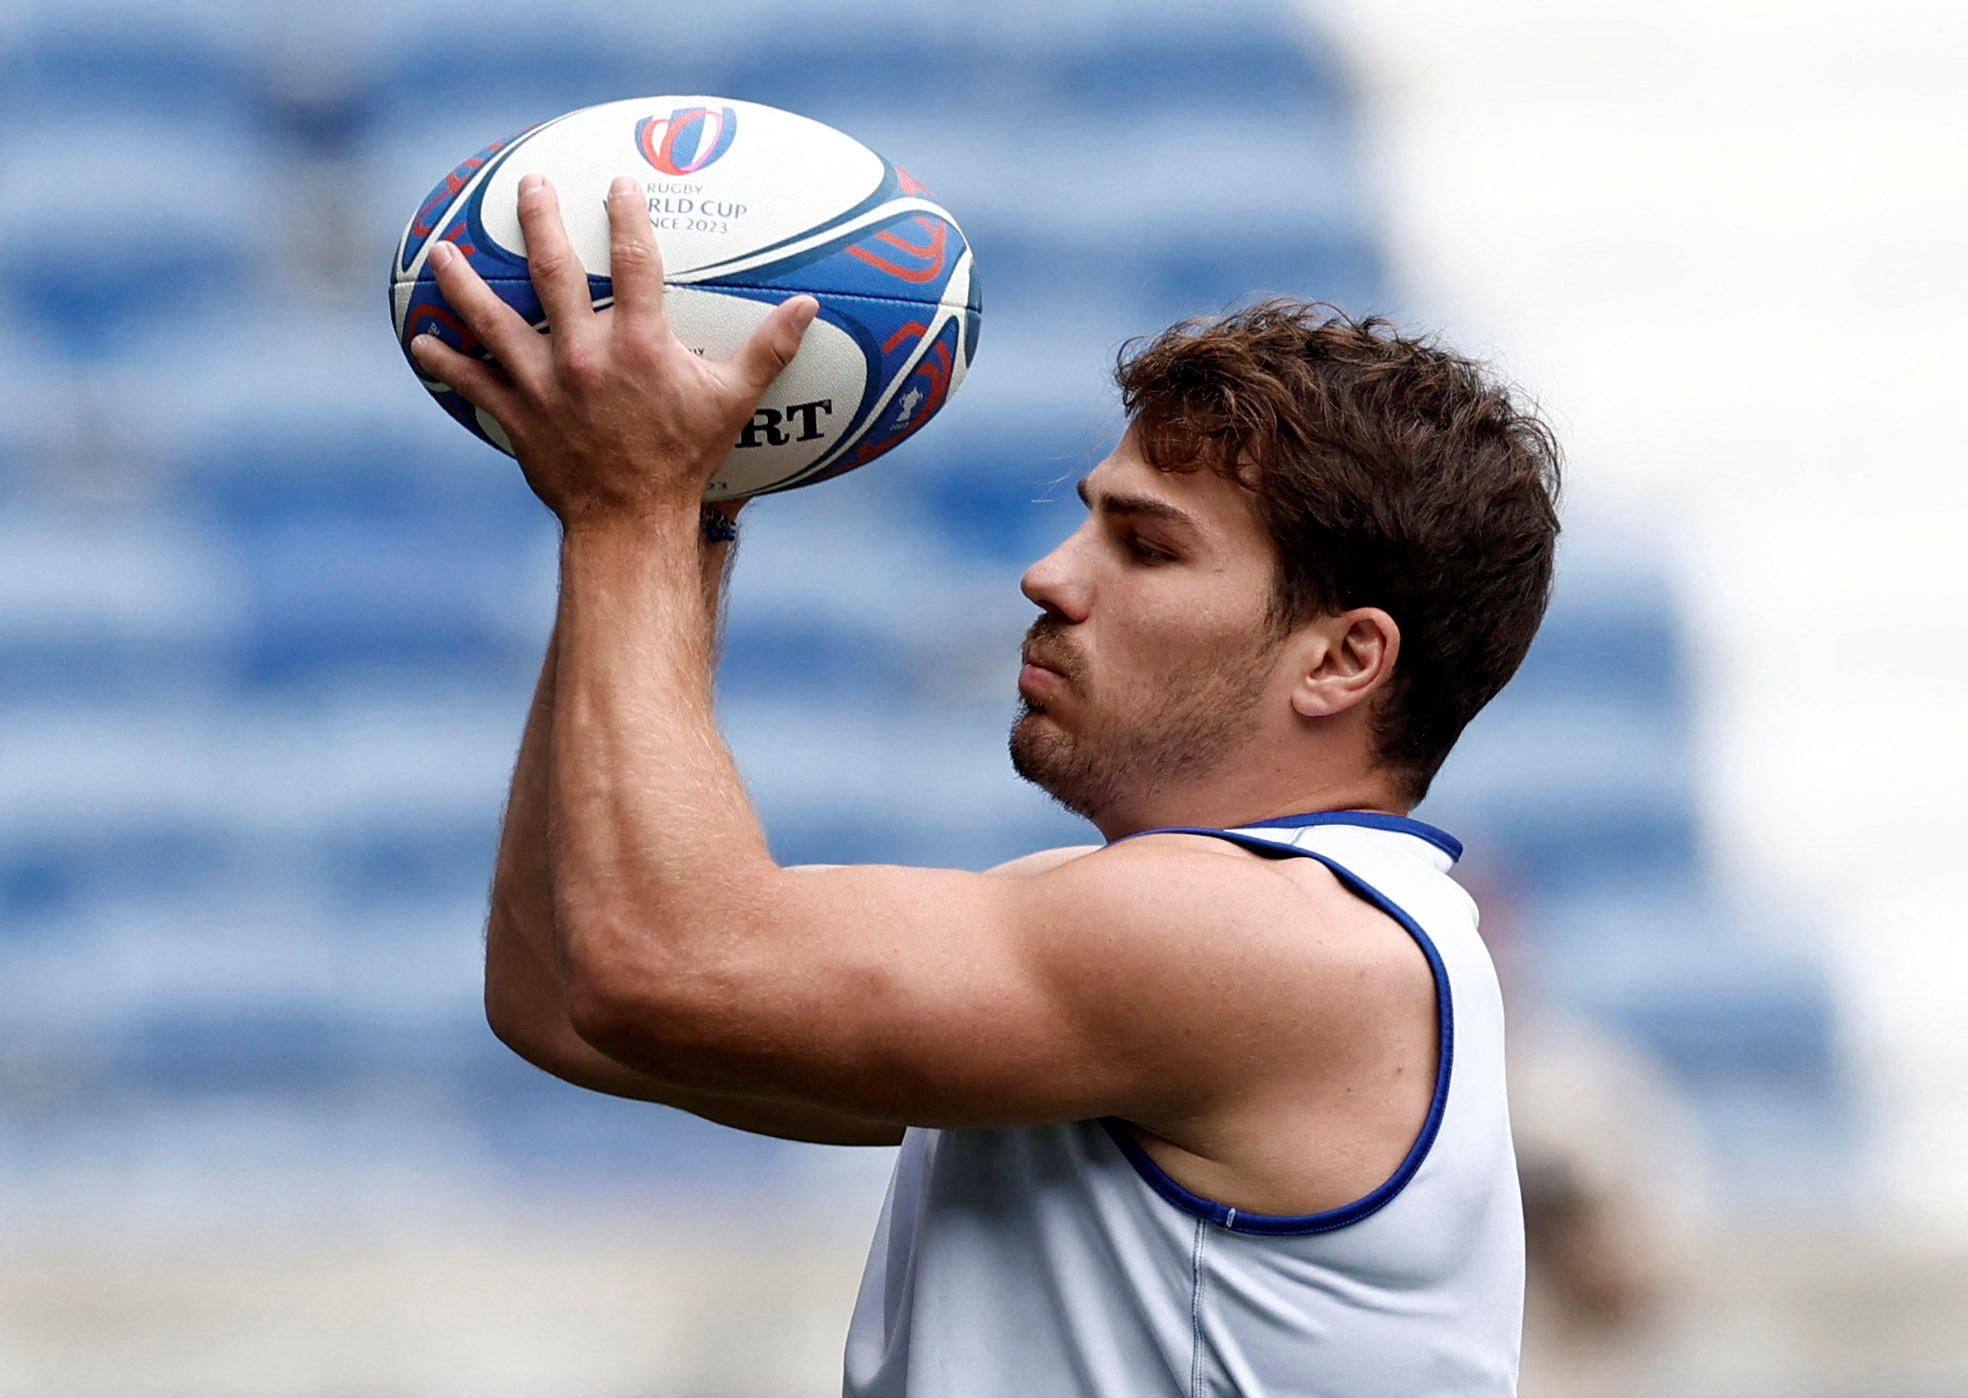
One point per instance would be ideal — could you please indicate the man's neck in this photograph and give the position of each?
(1232, 805)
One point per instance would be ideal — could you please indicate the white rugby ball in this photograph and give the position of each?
(750, 205)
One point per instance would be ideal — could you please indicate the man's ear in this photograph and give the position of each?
(1342, 659)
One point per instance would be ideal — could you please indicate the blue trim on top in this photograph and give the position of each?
(1373, 820)
(1237, 1220)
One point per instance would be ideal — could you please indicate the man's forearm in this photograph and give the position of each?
(653, 842)
(523, 993)
(521, 984)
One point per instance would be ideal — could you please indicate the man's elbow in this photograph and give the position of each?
(599, 1009)
(682, 1001)
(666, 1022)
(519, 1025)
(621, 1005)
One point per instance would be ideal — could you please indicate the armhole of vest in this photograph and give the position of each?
(1239, 1221)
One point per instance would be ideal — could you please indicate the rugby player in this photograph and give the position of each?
(1215, 1105)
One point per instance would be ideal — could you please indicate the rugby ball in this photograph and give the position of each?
(750, 205)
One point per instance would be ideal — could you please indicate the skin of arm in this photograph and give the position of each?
(523, 999)
(1154, 979)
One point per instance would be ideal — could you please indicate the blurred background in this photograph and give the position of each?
(268, 623)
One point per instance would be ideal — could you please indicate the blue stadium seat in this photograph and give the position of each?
(256, 450)
(40, 418)
(1577, 793)
(89, 266)
(348, 596)
(777, 651)
(1716, 992)
(48, 874)
(1741, 1014)
(1137, 286)
(101, 609)
(1254, 68)
(1006, 496)
(550, 1136)
(1255, 62)
(845, 72)
(151, 72)
(1196, 278)
(101, 664)
(214, 397)
(296, 1046)
(1626, 649)
(308, 469)
(1580, 774)
(519, 69)
(393, 862)
(383, 550)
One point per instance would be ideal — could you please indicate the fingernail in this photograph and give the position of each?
(623, 185)
(529, 183)
(803, 317)
(441, 254)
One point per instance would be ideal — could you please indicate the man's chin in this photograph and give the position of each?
(1042, 754)
(1025, 737)
(1029, 732)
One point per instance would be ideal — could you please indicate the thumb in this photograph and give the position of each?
(772, 345)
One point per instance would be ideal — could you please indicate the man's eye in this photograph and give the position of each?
(1146, 551)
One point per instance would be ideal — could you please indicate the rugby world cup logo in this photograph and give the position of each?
(686, 140)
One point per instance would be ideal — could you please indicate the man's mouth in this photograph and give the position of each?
(1041, 675)
(1039, 679)
(1049, 667)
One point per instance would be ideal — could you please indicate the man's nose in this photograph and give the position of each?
(1056, 585)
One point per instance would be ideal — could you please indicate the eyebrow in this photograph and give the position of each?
(1141, 505)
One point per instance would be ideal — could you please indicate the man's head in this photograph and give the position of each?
(1320, 541)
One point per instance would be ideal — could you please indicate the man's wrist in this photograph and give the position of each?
(667, 530)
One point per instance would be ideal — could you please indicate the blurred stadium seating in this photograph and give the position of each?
(268, 621)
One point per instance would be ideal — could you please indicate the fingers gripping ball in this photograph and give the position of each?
(750, 206)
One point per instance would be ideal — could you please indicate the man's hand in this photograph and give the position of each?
(610, 415)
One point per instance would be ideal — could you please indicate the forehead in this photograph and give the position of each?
(1215, 506)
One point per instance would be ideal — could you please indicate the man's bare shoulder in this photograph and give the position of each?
(1041, 861)
(1171, 875)
(1332, 920)
(1286, 920)
(1165, 863)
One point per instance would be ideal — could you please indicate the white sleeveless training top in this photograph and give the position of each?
(1060, 1260)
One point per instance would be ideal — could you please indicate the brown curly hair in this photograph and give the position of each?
(1390, 472)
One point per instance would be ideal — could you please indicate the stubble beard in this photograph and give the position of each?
(1191, 724)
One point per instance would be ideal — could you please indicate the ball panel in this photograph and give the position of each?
(437, 209)
(931, 370)
(909, 254)
(769, 176)
(413, 285)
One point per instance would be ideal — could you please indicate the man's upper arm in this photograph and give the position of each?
(1145, 980)
(547, 1041)
(559, 1051)
(523, 1005)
